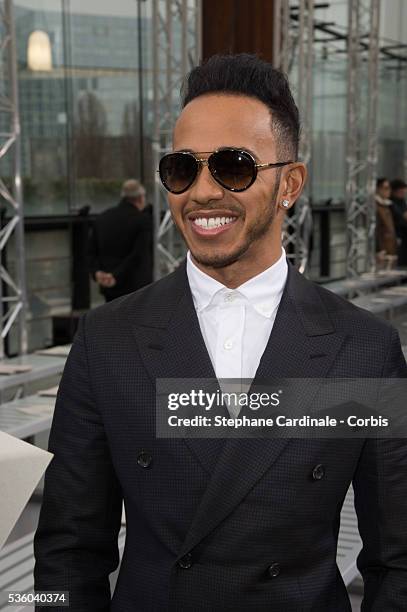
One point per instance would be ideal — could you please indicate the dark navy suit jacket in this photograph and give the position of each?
(242, 525)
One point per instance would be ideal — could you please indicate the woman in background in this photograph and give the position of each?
(386, 241)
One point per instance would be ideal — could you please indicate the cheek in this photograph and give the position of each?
(257, 203)
(176, 204)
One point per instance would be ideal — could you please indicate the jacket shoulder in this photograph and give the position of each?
(349, 317)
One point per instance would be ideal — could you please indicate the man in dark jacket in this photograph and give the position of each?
(120, 248)
(222, 525)
(399, 209)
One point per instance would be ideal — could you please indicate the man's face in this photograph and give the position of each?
(142, 201)
(401, 193)
(208, 123)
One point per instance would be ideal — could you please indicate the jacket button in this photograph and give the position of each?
(144, 459)
(318, 472)
(274, 570)
(186, 561)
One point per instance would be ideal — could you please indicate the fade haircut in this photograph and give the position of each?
(247, 75)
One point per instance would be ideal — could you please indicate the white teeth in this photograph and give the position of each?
(212, 221)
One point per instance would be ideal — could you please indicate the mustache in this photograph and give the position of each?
(208, 207)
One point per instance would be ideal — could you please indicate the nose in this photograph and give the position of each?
(205, 188)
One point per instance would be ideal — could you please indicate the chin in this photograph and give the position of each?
(217, 260)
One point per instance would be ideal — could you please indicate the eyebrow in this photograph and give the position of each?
(225, 147)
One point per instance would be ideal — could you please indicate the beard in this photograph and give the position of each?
(255, 232)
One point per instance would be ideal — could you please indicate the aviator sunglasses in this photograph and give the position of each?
(233, 169)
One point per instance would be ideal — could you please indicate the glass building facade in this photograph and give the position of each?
(328, 165)
(86, 90)
(83, 125)
(86, 125)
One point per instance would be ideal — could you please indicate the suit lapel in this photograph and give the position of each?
(171, 346)
(303, 344)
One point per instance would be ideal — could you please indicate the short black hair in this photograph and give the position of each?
(397, 184)
(248, 75)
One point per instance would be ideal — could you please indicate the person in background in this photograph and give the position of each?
(386, 240)
(399, 209)
(120, 253)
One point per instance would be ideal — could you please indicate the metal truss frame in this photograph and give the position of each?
(405, 139)
(176, 49)
(13, 296)
(294, 27)
(294, 37)
(361, 155)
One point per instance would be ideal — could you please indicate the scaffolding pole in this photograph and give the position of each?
(294, 37)
(361, 154)
(13, 297)
(176, 50)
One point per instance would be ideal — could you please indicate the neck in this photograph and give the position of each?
(242, 270)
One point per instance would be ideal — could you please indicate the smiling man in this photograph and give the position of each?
(238, 525)
(231, 217)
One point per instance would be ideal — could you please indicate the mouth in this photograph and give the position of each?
(211, 223)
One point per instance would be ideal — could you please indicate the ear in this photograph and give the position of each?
(292, 183)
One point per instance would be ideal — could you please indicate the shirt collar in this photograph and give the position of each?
(263, 291)
(203, 287)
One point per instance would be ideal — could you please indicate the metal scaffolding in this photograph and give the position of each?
(363, 60)
(294, 27)
(176, 49)
(293, 54)
(12, 285)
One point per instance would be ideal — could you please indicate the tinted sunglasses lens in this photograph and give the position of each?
(178, 171)
(235, 170)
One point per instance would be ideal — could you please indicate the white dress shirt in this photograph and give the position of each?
(236, 323)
